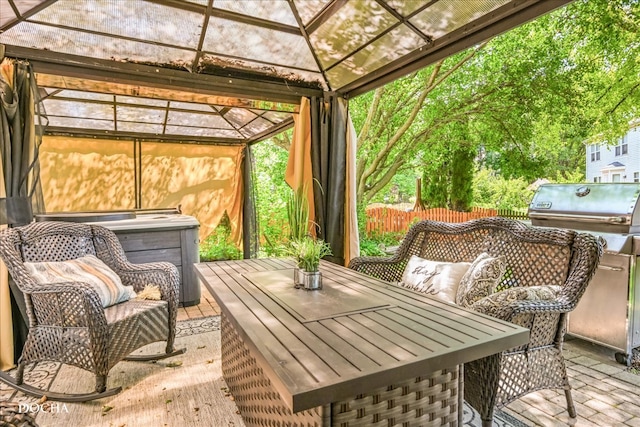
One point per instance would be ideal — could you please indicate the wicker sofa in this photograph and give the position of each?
(534, 256)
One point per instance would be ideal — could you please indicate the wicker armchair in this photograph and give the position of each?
(67, 321)
(535, 256)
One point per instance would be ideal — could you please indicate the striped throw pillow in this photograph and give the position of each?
(88, 269)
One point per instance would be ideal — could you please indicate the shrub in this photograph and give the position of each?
(219, 245)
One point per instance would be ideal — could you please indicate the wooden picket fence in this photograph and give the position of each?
(387, 220)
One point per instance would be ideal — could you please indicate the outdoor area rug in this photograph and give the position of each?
(185, 390)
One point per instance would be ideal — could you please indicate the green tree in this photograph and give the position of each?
(271, 192)
(436, 185)
(396, 123)
(530, 98)
(448, 177)
(462, 171)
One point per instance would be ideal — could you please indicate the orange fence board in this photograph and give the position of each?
(388, 220)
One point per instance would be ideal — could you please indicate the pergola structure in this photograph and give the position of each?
(191, 84)
(234, 72)
(231, 71)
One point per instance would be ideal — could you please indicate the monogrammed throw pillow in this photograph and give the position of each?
(439, 279)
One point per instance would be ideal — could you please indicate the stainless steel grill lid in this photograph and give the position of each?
(609, 208)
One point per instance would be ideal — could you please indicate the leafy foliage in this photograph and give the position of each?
(219, 245)
(376, 244)
(298, 214)
(519, 106)
(526, 100)
(494, 191)
(271, 195)
(308, 251)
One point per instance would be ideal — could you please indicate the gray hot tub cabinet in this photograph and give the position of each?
(173, 238)
(149, 237)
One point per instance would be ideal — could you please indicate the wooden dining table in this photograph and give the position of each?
(358, 352)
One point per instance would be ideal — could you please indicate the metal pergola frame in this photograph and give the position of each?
(244, 87)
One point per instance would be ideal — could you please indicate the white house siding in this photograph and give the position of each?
(611, 167)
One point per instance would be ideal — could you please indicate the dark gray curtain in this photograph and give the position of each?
(328, 160)
(21, 118)
(250, 230)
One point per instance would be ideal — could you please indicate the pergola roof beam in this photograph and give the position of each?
(139, 74)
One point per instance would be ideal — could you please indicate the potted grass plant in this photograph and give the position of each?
(305, 249)
(308, 252)
(298, 216)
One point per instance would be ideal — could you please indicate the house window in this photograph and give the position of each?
(636, 177)
(595, 152)
(597, 179)
(622, 148)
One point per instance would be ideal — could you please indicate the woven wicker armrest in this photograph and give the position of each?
(385, 268)
(68, 304)
(163, 274)
(520, 307)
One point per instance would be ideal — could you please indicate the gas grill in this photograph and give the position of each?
(608, 314)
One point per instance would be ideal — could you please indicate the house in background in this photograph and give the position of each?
(615, 163)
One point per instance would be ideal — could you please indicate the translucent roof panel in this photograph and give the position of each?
(266, 45)
(25, 5)
(141, 101)
(78, 109)
(136, 19)
(257, 125)
(7, 15)
(228, 55)
(275, 116)
(271, 10)
(83, 95)
(195, 119)
(80, 123)
(198, 131)
(145, 115)
(192, 106)
(240, 116)
(404, 7)
(448, 15)
(393, 45)
(92, 45)
(87, 111)
(133, 127)
(308, 9)
(358, 23)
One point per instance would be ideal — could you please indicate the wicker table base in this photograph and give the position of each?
(431, 400)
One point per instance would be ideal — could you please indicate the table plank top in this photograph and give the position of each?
(356, 334)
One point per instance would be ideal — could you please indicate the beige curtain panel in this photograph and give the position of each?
(351, 235)
(299, 173)
(83, 174)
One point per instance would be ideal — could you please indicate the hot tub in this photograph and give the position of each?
(148, 236)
